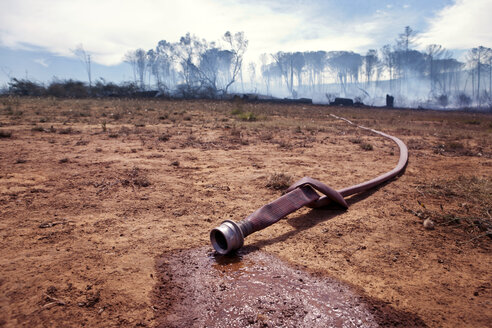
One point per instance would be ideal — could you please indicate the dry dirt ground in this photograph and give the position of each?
(93, 194)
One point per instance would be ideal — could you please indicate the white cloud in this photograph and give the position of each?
(108, 29)
(41, 61)
(465, 24)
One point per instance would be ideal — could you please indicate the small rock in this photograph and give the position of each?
(429, 224)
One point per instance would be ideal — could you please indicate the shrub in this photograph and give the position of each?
(279, 181)
(443, 100)
(463, 100)
(236, 111)
(248, 116)
(67, 89)
(25, 87)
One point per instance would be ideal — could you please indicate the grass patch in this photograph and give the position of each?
(366, 146)
(472, 194)
(67, 131)
(279, 181)
(164, 137)
(453, 148)
(244, 116)
(236, 111)
(37, 129)
(247, 116)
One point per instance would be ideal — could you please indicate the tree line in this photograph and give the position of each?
(194, 67)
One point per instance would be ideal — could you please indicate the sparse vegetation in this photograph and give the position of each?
(244, 116)
(456, 148)
(37, 129)
(474, 203)
(279, 181)
(247, 116)
(164, 137)
(68, 130)
(366, 146)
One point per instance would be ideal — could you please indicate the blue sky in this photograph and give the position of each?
(37, 35)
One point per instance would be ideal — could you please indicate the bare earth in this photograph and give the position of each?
(89, 210)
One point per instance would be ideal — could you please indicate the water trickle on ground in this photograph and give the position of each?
(198, 288)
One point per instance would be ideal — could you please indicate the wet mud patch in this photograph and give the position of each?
(198, 288)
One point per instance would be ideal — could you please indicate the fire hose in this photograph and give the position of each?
(229, 236)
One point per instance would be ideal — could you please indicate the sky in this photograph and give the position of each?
(37, 36)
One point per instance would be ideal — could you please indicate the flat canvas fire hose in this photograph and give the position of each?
(229, 236)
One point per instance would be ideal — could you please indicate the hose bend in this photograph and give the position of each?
(229, 236)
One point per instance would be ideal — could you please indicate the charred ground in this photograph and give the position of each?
(93, 192)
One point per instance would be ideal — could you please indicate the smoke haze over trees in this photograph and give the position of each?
(429, 77)
(194, 67)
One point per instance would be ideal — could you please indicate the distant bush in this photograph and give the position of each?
(110, 89)
(76, 89)
(463, 100)
(195, 92)
(24, 87)
(443, 100)
(67, 89)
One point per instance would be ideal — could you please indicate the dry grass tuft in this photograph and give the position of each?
(472, 194)
(279, 181)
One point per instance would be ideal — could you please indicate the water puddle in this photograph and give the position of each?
(199, 289)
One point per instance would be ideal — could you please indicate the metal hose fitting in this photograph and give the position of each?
(227, 237)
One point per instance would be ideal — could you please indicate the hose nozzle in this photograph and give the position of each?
(227, 237)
